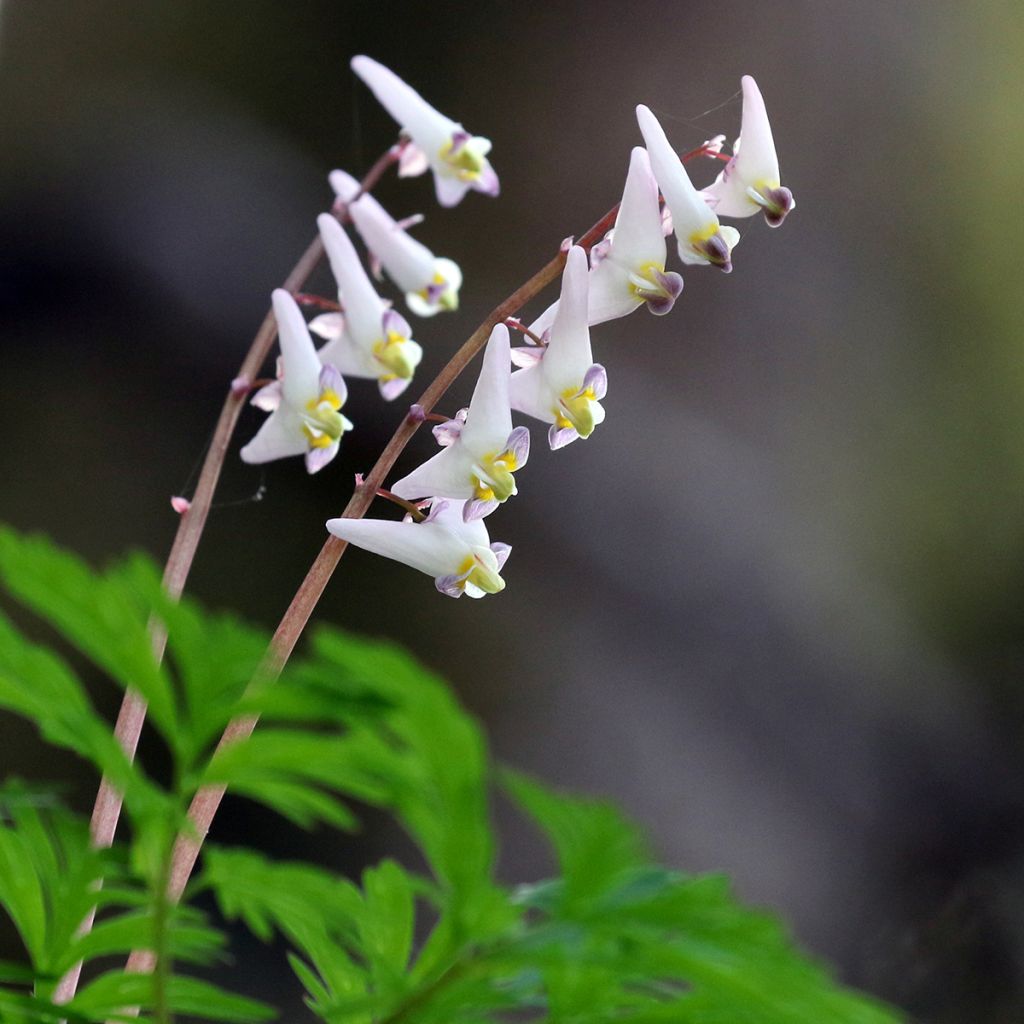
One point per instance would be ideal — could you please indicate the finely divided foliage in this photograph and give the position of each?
(611, 937)
(353, 723)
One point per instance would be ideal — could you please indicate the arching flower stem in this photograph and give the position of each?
(191, 523)
(207, 801)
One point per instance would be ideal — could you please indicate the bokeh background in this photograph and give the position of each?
(774, 605)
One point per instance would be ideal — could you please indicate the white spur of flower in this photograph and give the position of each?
(482, 450)
(305, 403)
(749, 183)
(368, 339)
(702, 240)
(561, 384)
(455, 550)
(457, 158)
(431, 283)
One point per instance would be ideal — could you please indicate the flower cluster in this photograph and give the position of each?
(555, 381)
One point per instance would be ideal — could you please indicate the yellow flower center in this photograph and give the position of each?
(323, 424)
(576, 410)
(395, 354)
(482, 574)
(467, 163)
(492, 477)
(704, 234)
(643, 283)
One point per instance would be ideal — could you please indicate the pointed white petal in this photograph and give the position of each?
(351, 359)
(610, 296)
(448, 474)
(409, 263)
(755, 161)
(344, 185)
(280, 436)
(756, 134)
(429, 547)
(638, 238)
(363, 307)
(301, 367)
(568, 355)
(427, 127)
(690, 213)
(489, 420)
(529, 393)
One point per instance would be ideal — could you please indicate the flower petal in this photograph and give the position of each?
(410, 264)
(449, 190)
(301, 368)
(317, 458)
(351, 359)
(448, 474)
(529, 393)
(568, 354)
(344, 185)
(638, 239)
(328, 325)
(690, 213)
(427, 127)
(429, 547)
(280, 437)
(363, 307)
(489, 420)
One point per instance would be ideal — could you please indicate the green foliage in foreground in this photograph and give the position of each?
(613, 938)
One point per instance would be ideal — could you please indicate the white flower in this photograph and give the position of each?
(701, 238)
(564, 386)
(630, 269)
(749, 183)
(477, 464)
(456, 552)
(458, 159)
(431, 284)
(306, 415)
(368, 339)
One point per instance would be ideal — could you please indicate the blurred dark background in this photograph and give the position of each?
(774, 605)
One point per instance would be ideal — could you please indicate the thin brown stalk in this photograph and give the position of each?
(207, 800)
(107, 808)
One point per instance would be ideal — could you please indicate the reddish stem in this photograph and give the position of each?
(318, 302)
(207, 800)
(107, 809)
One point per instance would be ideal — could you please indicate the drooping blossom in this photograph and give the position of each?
(630, 270)
(750, 183)
(368, 339)
(484, 451)
(457, 552)
(701, 238)
(430, 283)
(563, 385)
(458, 159)
(306, 405)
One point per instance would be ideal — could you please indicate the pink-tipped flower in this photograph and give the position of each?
(306, 419)
(749, 183)
(629, 271)
(457, 552)
(564, 387)
(478, 461)
(369, 339)
(458, 159)
(701, 238)
(431, 284)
